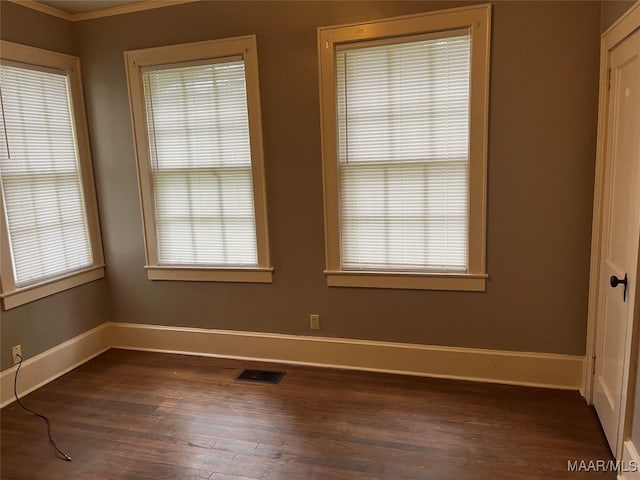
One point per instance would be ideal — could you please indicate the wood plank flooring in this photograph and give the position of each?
(140, 415)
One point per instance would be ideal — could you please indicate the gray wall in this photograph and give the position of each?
(541, 161)
(541, 164)
(50, 321)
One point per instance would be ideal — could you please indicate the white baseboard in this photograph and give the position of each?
(630, 462)
(515, 368)
(51, 364)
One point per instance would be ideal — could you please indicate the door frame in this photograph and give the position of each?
(627, 24)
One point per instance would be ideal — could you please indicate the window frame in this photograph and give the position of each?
(477, 19)
(135, 62)
(13, 296)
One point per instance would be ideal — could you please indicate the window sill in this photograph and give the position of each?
(408, 280)
(211, 274)
(30, 293)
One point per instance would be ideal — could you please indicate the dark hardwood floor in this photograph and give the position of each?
(140, 415)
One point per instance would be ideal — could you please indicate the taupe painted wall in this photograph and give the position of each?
(541, 164)
(43, 324)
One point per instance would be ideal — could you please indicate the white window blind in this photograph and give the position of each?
(200, 157)
(41, 186)
(403, 154)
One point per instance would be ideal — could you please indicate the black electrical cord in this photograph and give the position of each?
(59, 452)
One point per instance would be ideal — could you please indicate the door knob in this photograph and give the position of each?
(615, 281)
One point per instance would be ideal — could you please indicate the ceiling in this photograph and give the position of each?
(82, 6)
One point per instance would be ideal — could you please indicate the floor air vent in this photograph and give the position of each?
(260, 376)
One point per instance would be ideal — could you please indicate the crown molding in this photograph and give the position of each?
(104, 12)
(41, 7)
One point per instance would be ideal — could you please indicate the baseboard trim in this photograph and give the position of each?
(495, 366)
(55, 362)
(515, 368)
(630, 462)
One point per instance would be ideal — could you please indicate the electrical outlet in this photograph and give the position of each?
(314, 321)
(16, 353)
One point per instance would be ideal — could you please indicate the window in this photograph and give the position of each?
(404, 121)
(50, 238)
(196, 116)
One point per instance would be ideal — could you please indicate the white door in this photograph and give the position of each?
(621, 229)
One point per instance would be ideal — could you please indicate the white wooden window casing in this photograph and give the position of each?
(196, 116)
(404, 114)
(50, 234)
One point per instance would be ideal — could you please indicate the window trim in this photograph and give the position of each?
(13, 296)
(477, 19)
(135, 62)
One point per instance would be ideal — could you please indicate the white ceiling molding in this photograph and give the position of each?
(78, 6)
(104, 12)
(41, 7)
